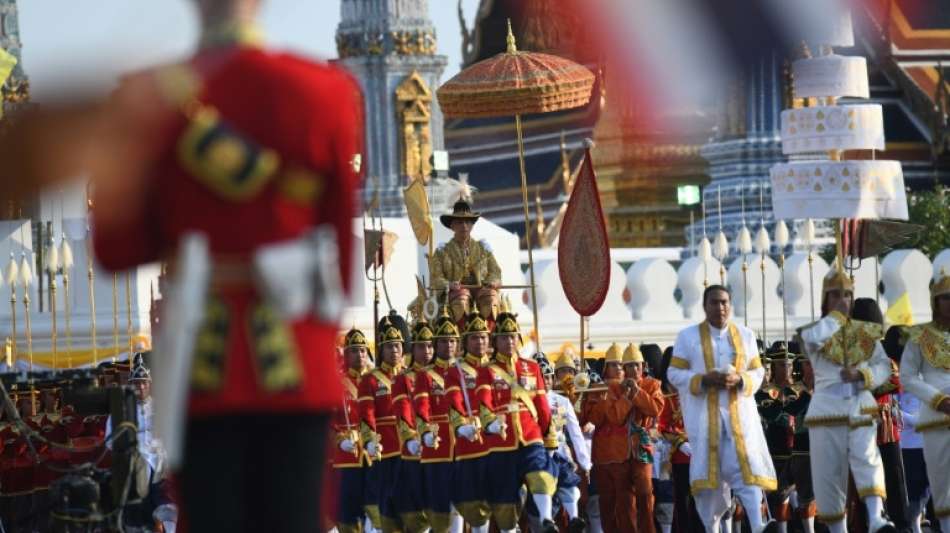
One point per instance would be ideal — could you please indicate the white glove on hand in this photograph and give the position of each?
(414, 447)
(372, 449)
(494, 428)
(467, 431)
(429, 439)
(347, 445)
(685, 448)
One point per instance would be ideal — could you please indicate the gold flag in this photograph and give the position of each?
(900, 314)
(7, 62)
(417, 207)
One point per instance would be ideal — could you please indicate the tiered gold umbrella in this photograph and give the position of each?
(517, 83)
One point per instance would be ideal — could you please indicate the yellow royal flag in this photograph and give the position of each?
(417, 207)
(900, 314)
(7, 62)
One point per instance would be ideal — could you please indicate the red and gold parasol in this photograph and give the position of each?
(516, 83)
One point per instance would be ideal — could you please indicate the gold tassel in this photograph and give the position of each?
(90, 274)
(115, 316)
(26, 279)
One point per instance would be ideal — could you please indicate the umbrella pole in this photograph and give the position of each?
(527, 232)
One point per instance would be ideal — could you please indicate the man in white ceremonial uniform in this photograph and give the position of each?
(925, 373)
(849, 362)
(716, 367)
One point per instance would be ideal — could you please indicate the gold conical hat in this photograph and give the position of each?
(837, 280)
(613, 354)
(565, 361)
(632, 354)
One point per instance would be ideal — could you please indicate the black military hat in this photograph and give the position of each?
(474, 323)
(506, 324)
(389, 333)
(778, 352)
(445, 327)
(422, 332)
(462, 210)
(393, 319)
(139, 372)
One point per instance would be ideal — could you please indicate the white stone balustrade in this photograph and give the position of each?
(642, 304)
(906, 271)
(692, 278)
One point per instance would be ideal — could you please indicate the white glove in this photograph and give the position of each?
(347, 445)
(494, 428)
(372, 449)
(467, 431)
(428, 439)
(686, 449)
(588, 429)
(414, 447)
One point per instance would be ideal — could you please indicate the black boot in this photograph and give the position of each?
(548, 526)
(577, 525)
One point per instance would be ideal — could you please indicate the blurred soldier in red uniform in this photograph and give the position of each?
(471, 447)
(516, 417)
(252, 150)
(348, 457)
(432, 417)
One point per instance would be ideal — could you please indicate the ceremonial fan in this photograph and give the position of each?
(516, 83)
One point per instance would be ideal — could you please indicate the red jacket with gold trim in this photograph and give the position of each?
(432, 407)
(250, 148)
(406, 423)
(512, 389)
(377, 409)
(348, 423)
(458, 411)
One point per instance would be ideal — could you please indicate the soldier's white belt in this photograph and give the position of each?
(511, 408)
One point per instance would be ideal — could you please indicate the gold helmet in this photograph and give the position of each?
(565, 361)
(445, 327)
(837, 280)
(474, 323)
(422, 332)
(355, 338)
(613, 354)
(389, 333)
(632, 354)
(506, 324)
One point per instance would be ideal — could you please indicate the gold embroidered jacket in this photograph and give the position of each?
(473, 264)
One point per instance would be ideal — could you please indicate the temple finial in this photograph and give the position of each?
(512, 48)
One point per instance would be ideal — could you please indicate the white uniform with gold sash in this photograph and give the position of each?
(725, 434)
(840, 416)
(925, 373)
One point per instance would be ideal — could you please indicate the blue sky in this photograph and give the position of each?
(88, 44)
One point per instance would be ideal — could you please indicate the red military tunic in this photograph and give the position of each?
(432, 408)
(512, 389)
(346, 423)
(458, 411)
(403, 391)
(378, 409)
(308, 115)
(670, 425)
